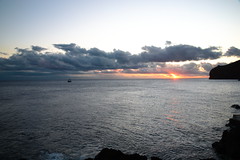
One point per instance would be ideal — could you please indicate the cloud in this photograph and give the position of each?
(75, 59)
(2, 53)
(207, 66)
(178, 53)
(168, 43)
(38, 49)
(71, 49)
(188, 69)
(233, 51)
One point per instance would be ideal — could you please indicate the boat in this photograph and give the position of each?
(69, 80)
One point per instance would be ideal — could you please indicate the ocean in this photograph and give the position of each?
(169, 119)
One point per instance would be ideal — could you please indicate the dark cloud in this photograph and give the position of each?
(184, 69)
(233, 51)
(74, 59)
(71, 49)
(178, 53)
(207, 66)
(38, 49)
(168, 43)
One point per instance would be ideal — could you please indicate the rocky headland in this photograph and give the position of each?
(112, 154)
(229, 71)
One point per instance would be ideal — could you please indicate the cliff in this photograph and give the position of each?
(229, 145)
(229, 71)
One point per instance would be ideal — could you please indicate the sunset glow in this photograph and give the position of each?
(97, 40)
(120, 75)
(174, 76)
(160, 76)
(135, 74)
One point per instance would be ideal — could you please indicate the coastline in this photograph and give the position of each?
(227, 148)
(112, 154)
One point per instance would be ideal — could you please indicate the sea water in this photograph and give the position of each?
(170, 119)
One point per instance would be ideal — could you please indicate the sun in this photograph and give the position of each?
(174, 76)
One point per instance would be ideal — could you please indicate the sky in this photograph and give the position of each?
(117, 39)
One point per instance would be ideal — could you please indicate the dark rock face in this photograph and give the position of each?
(236, 106)
(229, 145)
(229, 71)
(155, 158)
(109, 154)
(112, 154)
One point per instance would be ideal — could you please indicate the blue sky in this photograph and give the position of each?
(127, 25)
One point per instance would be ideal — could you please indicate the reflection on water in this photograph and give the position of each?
(173, 114)
(163, 118)
(171, 117)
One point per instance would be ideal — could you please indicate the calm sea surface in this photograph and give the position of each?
(170, 119)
